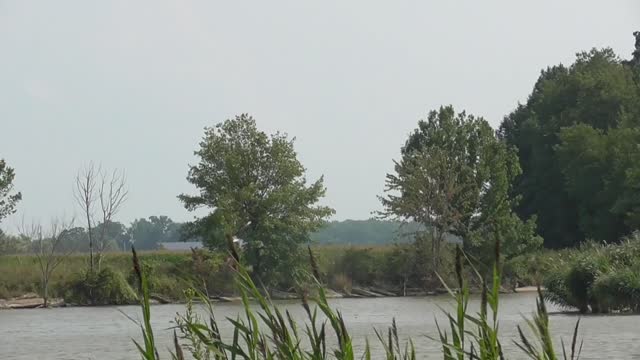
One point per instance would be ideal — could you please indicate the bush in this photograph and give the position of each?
(360, 265)
(342, 283)
(208, 270)
(580, 277)
(598, 277)
(106, 287)
(618, 290)
(557, 292)
(530, 269)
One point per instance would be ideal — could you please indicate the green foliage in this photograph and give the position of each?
(543, 347)
(602, 173)
(106, 287)
(481, 341)
(560, 136)
(598, 278)
(147, 233)
(530, 269)
(365, 232)
(211, 273)
(618, 289)
(581, 277)
(11, 245)
(8, 199)
(360, 265)
(149, 352)
(455, 177)
(265, 332)
(257, 190)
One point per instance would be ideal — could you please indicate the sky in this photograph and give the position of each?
(132, 84)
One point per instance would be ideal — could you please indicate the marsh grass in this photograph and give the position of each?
(265, 332)
(598, 278)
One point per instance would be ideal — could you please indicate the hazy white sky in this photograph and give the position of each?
(131, 84)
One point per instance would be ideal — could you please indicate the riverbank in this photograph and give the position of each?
(349, 271)
(34, 301)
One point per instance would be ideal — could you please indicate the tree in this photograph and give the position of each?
(76, 239)
(598, 91)
(601, 172)
(147, 233)
(454, 178)
(12, 244)
(8, 199)
(47, 248)
(256, 188)
(371, 231)
(95, 188)
(112, 235)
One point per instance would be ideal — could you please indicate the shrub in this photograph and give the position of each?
(619, 290)
(209, 271)
(106, 287)
(360, 265)
(581, 276)
(341, 282)
(597, 277)
(557, 291)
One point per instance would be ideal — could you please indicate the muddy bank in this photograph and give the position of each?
(33, 301)
(29, 301)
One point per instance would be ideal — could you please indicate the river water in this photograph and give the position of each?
(105, 333)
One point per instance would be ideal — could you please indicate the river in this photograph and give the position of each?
(105, 333)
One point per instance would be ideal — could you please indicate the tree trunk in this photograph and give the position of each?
(90, 233)
(435, 249)
(258, 270)
(45, 292)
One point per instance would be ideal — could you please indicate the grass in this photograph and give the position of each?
(269, 333)
(19, 273)
(598, 278)
(342, 266)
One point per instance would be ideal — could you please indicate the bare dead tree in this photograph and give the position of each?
(85, 194)
(48, 249)
(94, 187)
(112, 194)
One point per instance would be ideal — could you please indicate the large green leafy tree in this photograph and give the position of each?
(256, 189)
(8, 198)
(454, 177)
(598, 90)
(602, 175)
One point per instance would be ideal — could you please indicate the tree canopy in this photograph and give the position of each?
(256, 189)
(147, 233)
(569, 108)
(8, 198)
(454, 177)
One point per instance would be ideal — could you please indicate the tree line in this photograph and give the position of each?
(149, 234)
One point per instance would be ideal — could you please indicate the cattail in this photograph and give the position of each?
(178, 355)
(459, 266)
(497, 252)
(232, 248)
(314, 264)
(136, 266)
(484, 299)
